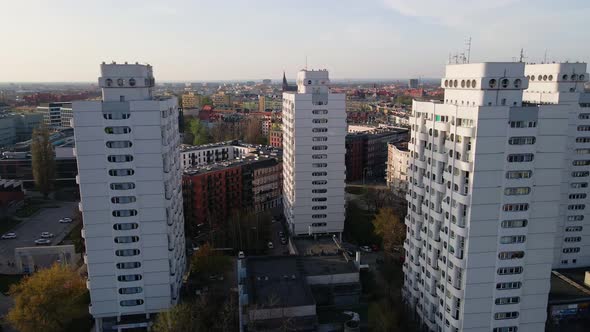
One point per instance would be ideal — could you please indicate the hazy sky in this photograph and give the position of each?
(65, 40)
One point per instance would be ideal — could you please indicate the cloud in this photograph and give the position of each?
(446, 12)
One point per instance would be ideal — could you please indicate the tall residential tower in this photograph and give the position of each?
(127, 146)
(493, 180)
(314, 131)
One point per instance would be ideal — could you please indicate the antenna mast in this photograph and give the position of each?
(522, 57)
(468, 43)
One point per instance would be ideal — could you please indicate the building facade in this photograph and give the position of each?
(199, 155)
(127, 147)
(56, 116)
(191, 100)
(314, 130)
(486, 197)
(397, 167)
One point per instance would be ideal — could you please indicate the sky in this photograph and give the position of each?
(201, 40)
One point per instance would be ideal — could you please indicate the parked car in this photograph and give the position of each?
(42, 242)
(241, 255)
(366, 248)
(270, 245)
(9, 236)
(65, 220)
(46, 235)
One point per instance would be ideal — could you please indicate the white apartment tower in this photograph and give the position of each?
(127, 146)
(493, 178)
(314, 131)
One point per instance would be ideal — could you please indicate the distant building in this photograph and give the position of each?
(397, 167)
(7, 130)
(25, 123)
(191, 100)
(200, 155)
(266, 81)
(275, 135)
(413, 83)
(19, 167)
(12, 194)
(314, 125)
(285, 86)
(56, 116)
(221, 99)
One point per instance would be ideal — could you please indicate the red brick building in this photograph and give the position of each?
(275, 135)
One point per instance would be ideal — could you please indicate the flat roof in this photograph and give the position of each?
(277, 282)
(322, 256)
(567, 286)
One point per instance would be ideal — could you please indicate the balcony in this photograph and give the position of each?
(465, 131)
(441, 126)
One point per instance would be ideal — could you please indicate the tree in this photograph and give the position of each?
(199, 131)
(179, 318)
(388, 227)
(43, 161)
(253, 134)
(206, 262)
(48, 300)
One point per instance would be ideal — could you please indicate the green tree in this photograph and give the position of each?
(179, 318)
(206, 262)
(206, 100)
(389, 228)
(43, 160)
(199, 131)
(48, 300)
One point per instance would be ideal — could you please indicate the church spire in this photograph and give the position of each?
(285, 84)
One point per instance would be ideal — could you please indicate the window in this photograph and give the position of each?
(109, 82)
(574, 228)
(583, 128)
(517, 191)
(581, 162)
(319, 139)
(507, 300)
(523, 124)
(505, 329)
(524, 140)
(132, 81)
(123, 199)
(319, 156)
(119, 144)
(518, 174)
(511, 255)
(319, 207)
(130, 303)
(575, 218)
(126, 239)
(584, 116)
(506, 315)
(515, 207)
(573, 239)
(319, 147)
(116, 116)
(130, 290)
(517, 83)
(319, 224)
(120, 158)
(582, 151)
(319, 199)
(129, 277)
(319, 112)
(492, 83)
(512, 239)
(319, 182)
(319, 174)
(319, 191)
(128, 265)
(570, 250)
(510, 270)
(583, 140)
(514, 223)
(121, 172)
(124, 213)
(580, 174)
(123, 186)
(577, 185)
(577, 196)
(520, 158)
(127, 252)
(117, 130)
(319, 130)
(575, 207)
(125, 226)
(509, 285)
(319, 216)
(319, 165)
(319, 120)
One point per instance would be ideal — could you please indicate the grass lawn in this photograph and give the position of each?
(8, 279)
(8, 223)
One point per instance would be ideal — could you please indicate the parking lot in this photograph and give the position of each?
(29, 230)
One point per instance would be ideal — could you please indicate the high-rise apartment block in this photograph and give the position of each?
(497, 195)
(127, 146)
(314, 130)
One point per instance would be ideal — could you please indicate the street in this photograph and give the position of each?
(29, 230)
(279, 249)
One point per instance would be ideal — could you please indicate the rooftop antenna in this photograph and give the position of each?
(450, 57)
(545, 57)
(522, 57)
(468, 43)
(306, 62)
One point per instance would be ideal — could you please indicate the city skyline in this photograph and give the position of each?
(238, 40)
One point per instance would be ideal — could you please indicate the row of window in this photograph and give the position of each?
(504, 255)
(319, 147)
(123, 186)
(124, 213)
(319, 173)
(117, 130)
(517, 191)
(573, 239)
(116, 116)
(512, 239)
(509, 285)
(319, 207)
(576, 207)
(510, 270)
(506, 329)
(319, 120)
(319, 199)
(522, 124)
(583, 128)
(582, 151)
(120, 158)
(319, 182)
(520, 158)
(129, 277)
(319, 139)
(570, 250)
(119, 144)
(580, 174)
(583, 140)
(581, 162)
(319, 112)
(575, 218)
(574, 228)
(514, 223)
(319, 165)
(515, 207)
(121, 172)
(577, 185)
(126, 239)
(123, 199)
(126, 253)
(319, 156)
(519, 174)
(125, 226)
(525, 140)
(319, 216)
(507, 300)
(128, 265)
(131, 303)
(506, 315)
(319, 130)
(319, 191)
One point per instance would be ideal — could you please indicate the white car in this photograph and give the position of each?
(366, 249)
(9, 236)
(42, 242)
(46, 235)
(241, 255)
(65, 220)
(270, 245)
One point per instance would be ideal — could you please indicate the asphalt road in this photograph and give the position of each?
(279, 249)
(29, 230)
